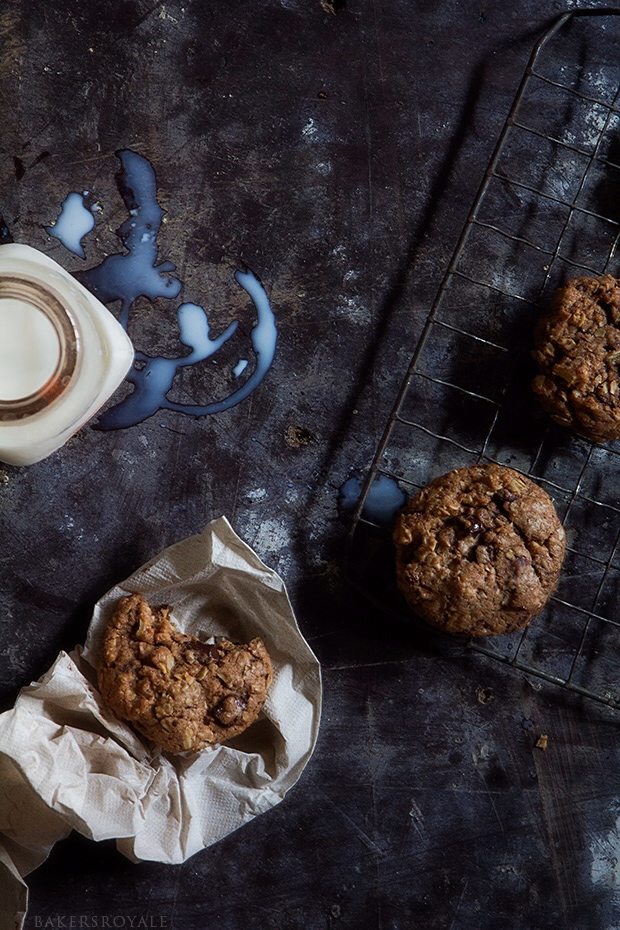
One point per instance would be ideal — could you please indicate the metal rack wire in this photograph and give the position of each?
(548, 209)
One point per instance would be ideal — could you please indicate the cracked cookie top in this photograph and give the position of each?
(479, 551)
(577, 348)
(176, 690)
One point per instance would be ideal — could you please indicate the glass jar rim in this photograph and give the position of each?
(35, 294)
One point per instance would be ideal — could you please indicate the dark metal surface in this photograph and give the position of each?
(337, 154)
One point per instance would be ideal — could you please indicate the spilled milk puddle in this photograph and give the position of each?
(384, 498)
(136, 273)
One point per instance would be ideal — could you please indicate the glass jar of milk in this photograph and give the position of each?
(62, 355)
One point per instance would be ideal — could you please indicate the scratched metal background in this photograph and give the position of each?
(337, 153)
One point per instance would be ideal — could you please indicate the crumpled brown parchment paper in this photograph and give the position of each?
(66, 762)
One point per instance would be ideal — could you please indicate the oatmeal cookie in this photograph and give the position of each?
(479, 551)
(577, 348)
(176, 690)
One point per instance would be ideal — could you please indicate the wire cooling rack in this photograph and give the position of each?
(548, 210)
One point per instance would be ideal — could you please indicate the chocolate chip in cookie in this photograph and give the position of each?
(479, 551)
(176, 690)
(577, 348)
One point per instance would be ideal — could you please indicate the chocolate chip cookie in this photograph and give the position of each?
(178, 691)
(577, 347)
(479, 551)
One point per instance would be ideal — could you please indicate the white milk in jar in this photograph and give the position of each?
(62, 355)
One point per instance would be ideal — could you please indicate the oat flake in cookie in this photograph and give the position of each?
(577, 347)
(479, 551)
(176, 690)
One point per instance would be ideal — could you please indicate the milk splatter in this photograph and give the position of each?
(153, 377)
(383, 500)
(74, 222)
(127, 276)
(139, 272)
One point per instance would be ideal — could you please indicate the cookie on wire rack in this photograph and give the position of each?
(479, 551)
(577, 348)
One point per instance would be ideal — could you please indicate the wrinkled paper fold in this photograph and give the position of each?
(66, 762)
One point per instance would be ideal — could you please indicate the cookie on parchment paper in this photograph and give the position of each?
(178, 691)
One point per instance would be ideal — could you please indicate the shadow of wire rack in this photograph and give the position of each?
(548, 210)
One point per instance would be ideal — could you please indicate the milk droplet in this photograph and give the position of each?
(383, 500)
(74, 222)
